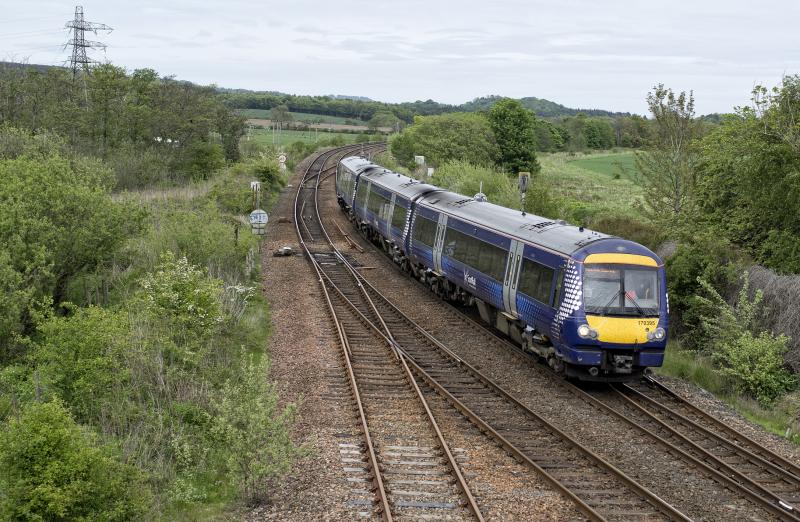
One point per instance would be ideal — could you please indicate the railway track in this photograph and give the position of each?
(725, 455)
(412, 469)
(596, 487)
(755, 467)
(702, 441)
(696, 437)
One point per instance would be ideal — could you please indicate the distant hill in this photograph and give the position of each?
(541, 107)
(17, 65)
(346, 97)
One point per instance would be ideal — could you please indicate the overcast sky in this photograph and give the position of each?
(581, 53)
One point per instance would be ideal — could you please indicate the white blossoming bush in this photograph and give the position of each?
(185, 297)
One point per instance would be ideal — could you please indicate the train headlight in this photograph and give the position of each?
(586, 332)
(657, 335)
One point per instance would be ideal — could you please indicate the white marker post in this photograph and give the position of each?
(258, 222)
(282, 161)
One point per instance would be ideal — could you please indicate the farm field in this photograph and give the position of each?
(622, 164)
(590, 182)
(265, 136)
(301, 117)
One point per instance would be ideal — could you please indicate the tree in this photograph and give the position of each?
(459, 136)
(57, 220)
(514, 131)
(668, 166)
(251, 422)
(749, 177)
(779, 110)
(383, 119)
(280, 114)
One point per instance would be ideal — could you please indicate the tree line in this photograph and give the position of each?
(147, 127)
(587, 128)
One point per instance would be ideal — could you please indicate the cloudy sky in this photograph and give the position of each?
(581, 53)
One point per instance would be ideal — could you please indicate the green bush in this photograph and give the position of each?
(720, 323)
(55, 470)
(756, 363)
(781, 251)
(232, 194)
(501, 189)
(57, 221)
(202, 234)
(79, 358)
(136, 167)
(707, 257)
(202, 159)
(446, 137)
(255, 430)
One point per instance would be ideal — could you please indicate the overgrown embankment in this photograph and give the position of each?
(133, 332)
(134, 324)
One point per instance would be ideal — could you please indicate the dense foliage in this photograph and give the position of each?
(365, 109)
(55, 470)
(556, 127)
(130, 323)
(57, 220)
(147, 128)
(727, 194)
(442, 138)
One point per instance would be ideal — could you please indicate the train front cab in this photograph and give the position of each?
(619, 323)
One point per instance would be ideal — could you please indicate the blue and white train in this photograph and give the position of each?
(593, 306)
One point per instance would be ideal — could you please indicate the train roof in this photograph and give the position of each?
(356, 163)
(407, 187)
(555, 235)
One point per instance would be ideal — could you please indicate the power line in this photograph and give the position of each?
(29, 34)
(79, 60)
(28, 19)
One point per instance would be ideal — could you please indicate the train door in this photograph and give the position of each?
(513, 264)
(438, 244)
(388, 217)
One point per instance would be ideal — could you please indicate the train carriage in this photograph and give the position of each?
(594, 306)
(381, 201)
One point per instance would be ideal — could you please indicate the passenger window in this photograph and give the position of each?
(399, 216)
(471, 251)
(559, 286)
(424, 230)
(536, 280)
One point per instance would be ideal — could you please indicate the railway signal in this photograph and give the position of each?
(524, 179)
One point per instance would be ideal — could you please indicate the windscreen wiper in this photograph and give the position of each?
(605, 308)
(638, 308)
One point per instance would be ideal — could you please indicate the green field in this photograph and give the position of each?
(590, 182)
(265, 136)
(619, 165)
(302, 117)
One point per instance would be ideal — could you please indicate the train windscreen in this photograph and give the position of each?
(620, 290)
